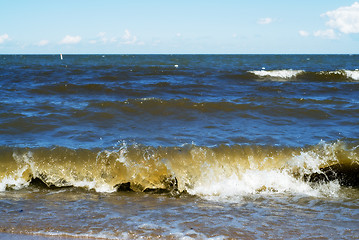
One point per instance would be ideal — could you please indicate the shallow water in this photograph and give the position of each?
(135, 215)
(179, 146)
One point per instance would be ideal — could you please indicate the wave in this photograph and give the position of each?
(187, 109)
(66, 87)
(83, 89)
(285, 74)
(204, 171)
(160, 107)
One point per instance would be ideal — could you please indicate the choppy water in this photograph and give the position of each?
(180, 146)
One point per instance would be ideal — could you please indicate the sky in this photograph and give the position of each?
(179, 27)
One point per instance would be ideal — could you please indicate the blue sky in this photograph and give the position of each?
(186, 26)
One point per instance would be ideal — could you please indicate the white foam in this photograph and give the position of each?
(252, 182)
(98, 186)
(18, 178)
(286, 73)
(149, 226)
(255, 181)
(353, 74)
(15, 181)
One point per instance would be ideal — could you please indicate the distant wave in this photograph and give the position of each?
(205, 171)
(338, 75)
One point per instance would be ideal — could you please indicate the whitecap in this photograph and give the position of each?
(285, 73)
(353, 74)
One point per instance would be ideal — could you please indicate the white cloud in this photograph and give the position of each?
(70, 39)
(303, 33)
(328, 33)
(42, 43)
(128, 38)
(103, 38)
(265, 21)
(4, 38)
(345, 19)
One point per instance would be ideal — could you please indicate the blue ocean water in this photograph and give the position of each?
(91, 101)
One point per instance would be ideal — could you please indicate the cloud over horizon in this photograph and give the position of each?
(264, 21)
(328, 33)
(42, 43)
(128, 38)
(303, 33)
(70, 39)
(103, 38)
(4, 38)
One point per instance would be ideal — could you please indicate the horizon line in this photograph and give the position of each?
(178, 53)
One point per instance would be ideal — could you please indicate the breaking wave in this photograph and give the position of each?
(222, 171)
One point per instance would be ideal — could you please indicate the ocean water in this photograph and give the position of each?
(179, 146)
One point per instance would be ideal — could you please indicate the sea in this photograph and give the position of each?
(179, 146)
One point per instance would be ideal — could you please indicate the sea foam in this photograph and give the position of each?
(14, 181)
